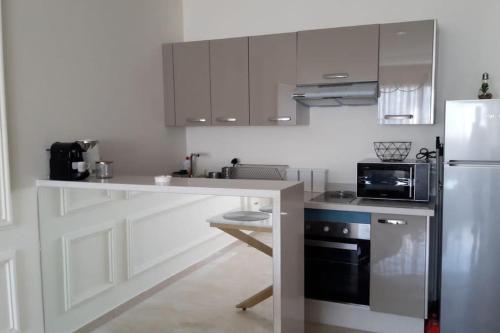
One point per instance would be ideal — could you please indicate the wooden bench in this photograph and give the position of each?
(235, 229)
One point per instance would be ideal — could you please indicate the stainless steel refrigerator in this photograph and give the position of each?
(470, 285)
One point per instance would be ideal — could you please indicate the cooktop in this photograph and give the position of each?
(336, 196)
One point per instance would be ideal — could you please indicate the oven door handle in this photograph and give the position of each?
(332, 245)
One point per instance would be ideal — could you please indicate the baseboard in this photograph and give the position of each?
(360, 318)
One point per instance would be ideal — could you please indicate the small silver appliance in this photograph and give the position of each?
(90, 153)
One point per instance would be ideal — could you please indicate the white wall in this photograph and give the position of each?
(337, 138)
(78, 69)
(82, 69)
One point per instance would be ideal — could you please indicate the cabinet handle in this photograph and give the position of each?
(393, 222)
(334, 76)
(398, 116)
(196, 120)
(226, 120)
(278, 119)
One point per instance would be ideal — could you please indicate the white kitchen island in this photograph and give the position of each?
(105, 242)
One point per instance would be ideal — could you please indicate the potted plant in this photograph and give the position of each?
(483, 91)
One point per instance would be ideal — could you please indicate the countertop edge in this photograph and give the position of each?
(180, 186)
(428, 212)
(365, 207)
(228, 188)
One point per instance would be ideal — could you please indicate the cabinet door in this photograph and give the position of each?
(192, 83)
(273, 62)
(398, 266)
(229, 81)
(168, 84)
(339, 55)
(406, 76)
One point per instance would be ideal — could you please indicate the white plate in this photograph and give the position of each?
(247, 216)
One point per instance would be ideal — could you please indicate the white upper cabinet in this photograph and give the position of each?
(406, 73)
(338, 55)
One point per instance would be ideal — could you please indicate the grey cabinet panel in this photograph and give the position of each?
(406, 73)
(398, 282)
(339, 55)
(192, 83)
(168, 84)
(229, 81)
(272, 64)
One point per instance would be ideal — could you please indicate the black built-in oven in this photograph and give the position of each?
(337, 261)
(408, 180)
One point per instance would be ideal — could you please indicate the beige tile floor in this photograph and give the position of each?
(204, 300)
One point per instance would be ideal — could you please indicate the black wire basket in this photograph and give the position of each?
(392, 151)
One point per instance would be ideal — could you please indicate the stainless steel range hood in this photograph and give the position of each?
(365, 93)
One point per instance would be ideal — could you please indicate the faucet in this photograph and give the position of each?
(192, 156)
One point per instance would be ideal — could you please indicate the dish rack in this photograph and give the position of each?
(259, 171)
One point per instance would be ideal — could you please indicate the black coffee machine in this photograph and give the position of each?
(66, 162)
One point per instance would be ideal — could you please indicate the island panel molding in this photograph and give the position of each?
(72, 200)
(9, 312)
(72, 261)
(135, 267)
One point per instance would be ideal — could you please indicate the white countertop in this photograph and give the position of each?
(372, 206)
(237, 187)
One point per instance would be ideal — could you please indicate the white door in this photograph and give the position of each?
(9, 300)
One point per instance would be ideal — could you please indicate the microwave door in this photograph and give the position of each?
(386, 182)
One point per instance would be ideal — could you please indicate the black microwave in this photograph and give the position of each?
(408, 180)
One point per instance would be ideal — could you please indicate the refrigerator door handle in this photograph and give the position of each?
(410, 181)
(473, 163)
